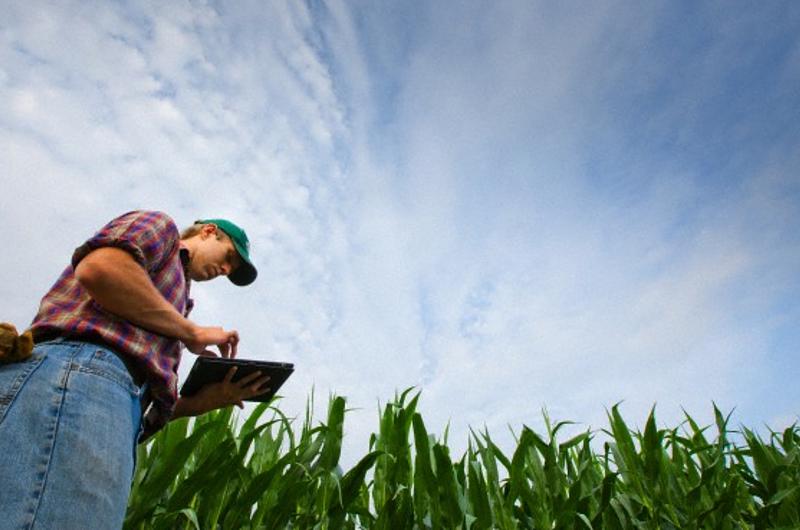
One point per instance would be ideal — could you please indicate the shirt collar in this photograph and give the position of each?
(184, 255)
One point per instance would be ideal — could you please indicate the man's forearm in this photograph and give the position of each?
(122, 287)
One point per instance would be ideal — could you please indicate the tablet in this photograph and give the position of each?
(207, 370)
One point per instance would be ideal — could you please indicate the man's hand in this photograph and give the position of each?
(222, 394)
(203, 337)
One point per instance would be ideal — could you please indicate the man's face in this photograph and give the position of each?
(214, 255)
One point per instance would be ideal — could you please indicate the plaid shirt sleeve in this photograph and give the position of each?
(140, 233)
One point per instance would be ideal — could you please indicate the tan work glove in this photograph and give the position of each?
(13, 346)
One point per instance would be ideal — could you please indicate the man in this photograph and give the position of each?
(103, 374)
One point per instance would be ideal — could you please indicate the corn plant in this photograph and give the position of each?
(267, 474)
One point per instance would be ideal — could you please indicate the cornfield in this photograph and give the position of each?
(208, 474)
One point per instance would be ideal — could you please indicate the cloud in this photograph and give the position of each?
(509, 207)
(633, 271)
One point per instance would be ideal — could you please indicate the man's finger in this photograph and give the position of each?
(229, 376)
(248, 378)
(261, 381)
(258, 391)
(256, 386)
(234, 342)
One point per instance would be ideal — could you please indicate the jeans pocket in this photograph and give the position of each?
(108, 365)
(13, 377)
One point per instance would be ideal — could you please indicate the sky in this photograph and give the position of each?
(510, 206)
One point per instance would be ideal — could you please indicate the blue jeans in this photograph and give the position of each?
(69, 419)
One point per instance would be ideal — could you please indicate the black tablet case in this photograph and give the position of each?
(208, 370)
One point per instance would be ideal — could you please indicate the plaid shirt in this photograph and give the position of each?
(67, 310)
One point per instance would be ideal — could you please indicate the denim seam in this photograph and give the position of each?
(7, 399)
(125, 383)
(58, 404)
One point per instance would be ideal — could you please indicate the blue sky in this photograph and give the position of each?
(510, 205)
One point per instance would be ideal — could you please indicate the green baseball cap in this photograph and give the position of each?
(246, 273)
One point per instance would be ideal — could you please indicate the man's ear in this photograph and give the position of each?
(208, 230)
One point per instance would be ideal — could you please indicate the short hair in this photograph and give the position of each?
(197, 227)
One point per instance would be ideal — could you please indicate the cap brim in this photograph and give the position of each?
(246, 273)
